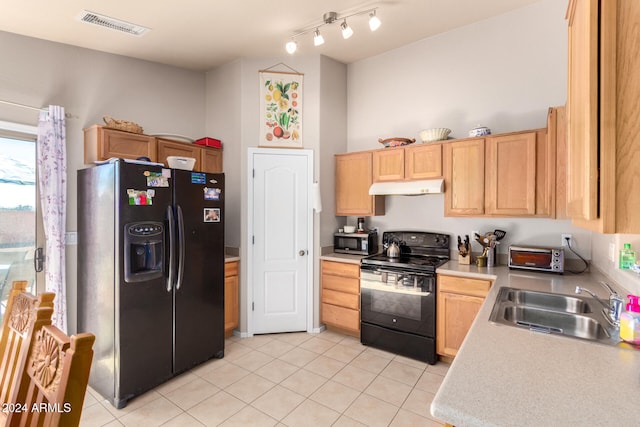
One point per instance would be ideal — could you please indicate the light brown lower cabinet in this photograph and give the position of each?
(458, 302)
(340, 295)
(231, 302)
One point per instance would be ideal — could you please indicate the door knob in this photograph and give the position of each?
(302, 252)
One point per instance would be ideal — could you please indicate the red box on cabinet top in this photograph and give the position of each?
(209, 142)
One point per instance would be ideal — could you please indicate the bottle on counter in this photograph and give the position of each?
(627, 257)
(630, 321)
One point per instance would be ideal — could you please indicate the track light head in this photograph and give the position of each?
(346, 30)
(317, 38)
(291, 47)
(374, 21)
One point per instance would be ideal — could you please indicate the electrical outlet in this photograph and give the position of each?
(612, 252)
(564, 240)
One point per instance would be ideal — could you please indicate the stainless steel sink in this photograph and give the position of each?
(549, 321)
(568, 315)
(549, 301)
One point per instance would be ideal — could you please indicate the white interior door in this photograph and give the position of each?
(280, 229)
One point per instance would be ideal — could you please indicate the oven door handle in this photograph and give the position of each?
(414, 273)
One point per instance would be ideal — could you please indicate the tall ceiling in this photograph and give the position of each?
(203, 34)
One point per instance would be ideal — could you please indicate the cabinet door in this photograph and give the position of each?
(168, 148)
(211, 160)
(464, 178)
(353, 177)
(388, 165)
(102, 143)
(231, 302)
(582, 110)
(511, 174)
(423, 161)
(455, 315)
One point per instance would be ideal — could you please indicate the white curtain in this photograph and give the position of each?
(52, 183)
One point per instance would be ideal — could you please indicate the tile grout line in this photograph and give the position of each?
(348, 346)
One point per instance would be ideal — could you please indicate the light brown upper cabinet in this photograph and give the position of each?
(211, 160)
(511, 174)
(603, 148)
(520, 171)
(353, 177)
(168, 148)
(101, 143)
(421, 161)
(464, 177)
(388, 164)
(501, 175)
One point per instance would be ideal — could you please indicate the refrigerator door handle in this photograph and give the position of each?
(182, 246)
(172, 246)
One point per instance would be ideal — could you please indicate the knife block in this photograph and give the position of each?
(464, 259)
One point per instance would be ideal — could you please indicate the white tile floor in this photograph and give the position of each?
(295, 379)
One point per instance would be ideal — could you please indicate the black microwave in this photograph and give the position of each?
(356, 243)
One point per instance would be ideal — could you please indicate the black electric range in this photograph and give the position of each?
(398, 295)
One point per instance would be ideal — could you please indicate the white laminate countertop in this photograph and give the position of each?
(351, 259)
(507, 376)
(231, 258)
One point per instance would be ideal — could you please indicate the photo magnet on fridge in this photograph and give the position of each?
(212, 193)
(211, 214)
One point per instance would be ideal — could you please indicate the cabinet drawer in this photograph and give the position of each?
(342, 284)
(230, 268)
(341, 317)
(463, 285)
(341, 299)
(341, 269)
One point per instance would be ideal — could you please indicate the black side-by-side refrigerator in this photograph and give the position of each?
(150, 273)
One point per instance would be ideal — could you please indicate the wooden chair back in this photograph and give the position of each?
(25, 315)
(58, 370)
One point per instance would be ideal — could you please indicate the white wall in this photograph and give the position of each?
(237, 122)
(223, 121)
(630, 281)
(504, 73)
(91, 84)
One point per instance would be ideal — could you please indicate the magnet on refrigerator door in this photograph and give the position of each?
(198, 178)
(212, 193)
(211, 214)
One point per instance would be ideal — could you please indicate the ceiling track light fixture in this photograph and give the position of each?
(374, 21)
(317, 38)
(330, 18)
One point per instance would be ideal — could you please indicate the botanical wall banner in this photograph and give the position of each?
(280, 109)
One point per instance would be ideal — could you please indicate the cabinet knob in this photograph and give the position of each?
(302, 252)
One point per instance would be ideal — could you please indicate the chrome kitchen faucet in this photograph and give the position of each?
(614, 308)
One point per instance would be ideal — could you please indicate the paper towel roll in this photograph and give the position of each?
(317, 200)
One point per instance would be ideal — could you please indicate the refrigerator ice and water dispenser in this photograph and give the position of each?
(144, 251)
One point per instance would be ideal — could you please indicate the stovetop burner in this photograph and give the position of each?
(419, 251)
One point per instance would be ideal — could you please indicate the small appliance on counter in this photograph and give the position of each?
(536, 258)
(361, 243)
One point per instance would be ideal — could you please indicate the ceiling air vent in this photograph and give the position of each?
(112, 23)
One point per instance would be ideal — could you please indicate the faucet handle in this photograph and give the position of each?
(615, 307)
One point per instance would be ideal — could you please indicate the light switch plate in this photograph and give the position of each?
(71, 238)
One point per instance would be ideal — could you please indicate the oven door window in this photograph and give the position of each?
(403, 309)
